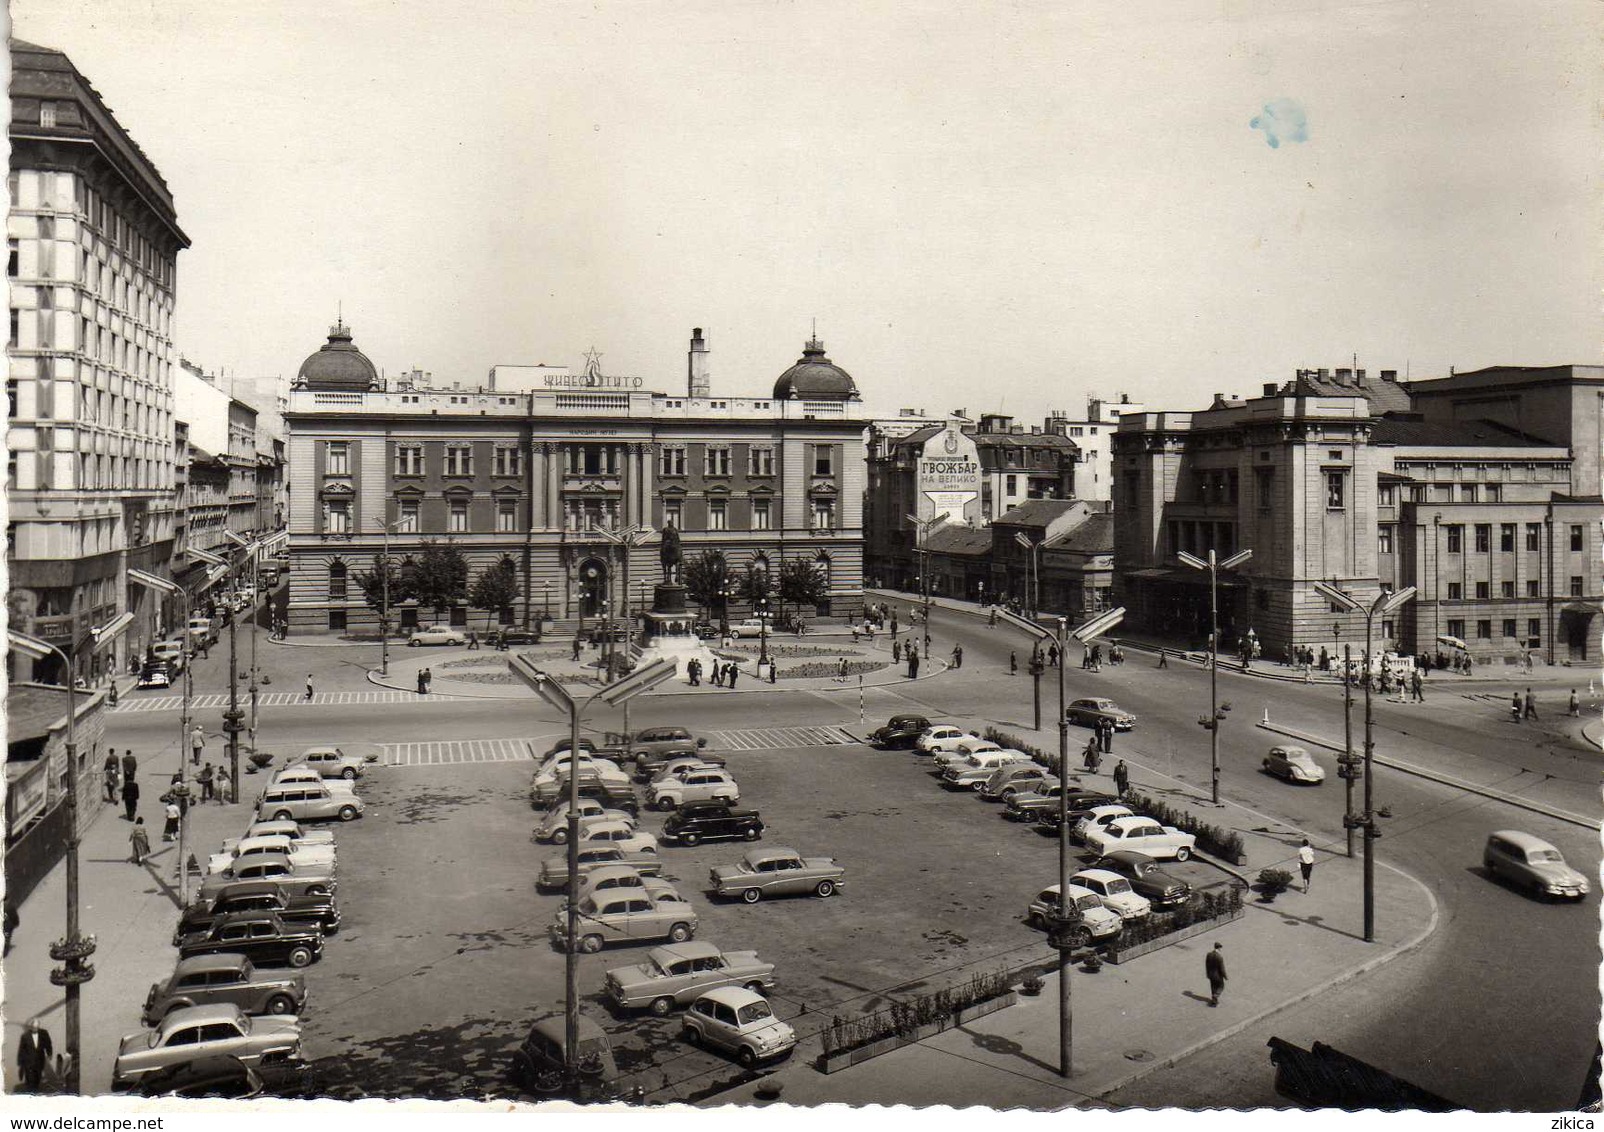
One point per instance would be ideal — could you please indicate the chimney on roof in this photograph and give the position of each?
(1389, 375)
(1323, 374)
(1035, 430)
(698, 383)
(1359, 374)
(1269, 388)
(1344, 376)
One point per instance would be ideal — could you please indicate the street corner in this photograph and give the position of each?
(474, 673)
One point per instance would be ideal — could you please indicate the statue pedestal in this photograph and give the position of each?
(668, 616)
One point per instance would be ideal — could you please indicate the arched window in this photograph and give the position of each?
(337, 576)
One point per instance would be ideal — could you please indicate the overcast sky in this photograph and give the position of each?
(1001, 206)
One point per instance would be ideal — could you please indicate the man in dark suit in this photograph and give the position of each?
(34, 1052)
(1214, 968)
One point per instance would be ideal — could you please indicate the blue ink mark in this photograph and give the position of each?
(1282, 120)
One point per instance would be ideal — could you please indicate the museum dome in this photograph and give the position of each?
(338, 364)
(815, 378)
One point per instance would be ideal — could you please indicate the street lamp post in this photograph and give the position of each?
(1216, 714)
(73, 949)
(1347, 768)
(1033, 552)
(1385, 603)
(385, 527)
(545, 603)
(923, 528)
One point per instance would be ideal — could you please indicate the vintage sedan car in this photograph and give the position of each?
(540, 1065)
(612, 795)
(554, 870)
(608, 878)
(553, 824)
(962, 750)
(900, 731)
(1147, 878)
(1081, 804)
(705, 785)
(1086, 919)
(652, 746)
(620, 833)
(1014, 778)
(299, 774)
(1091, 712)
(676, 975)
(229, 1078)
(1294, 764)
(155, 674)
(1531, 863)
(331, 762)
(308, 801)
(747, 627)
(1099, 816)
(1142, 835)
(1115, 892)
(437, 635)
(777, 872)
(625, 915)
(261, 937)
(303, 858)
(204, 1031)
(711, 821)
(557, 766)
(274, 867)
(294, 830)
(320, 912)
(206, 980)
(975, 771)
(738, 1021)
(677, 766)
(171, 653)
(941, 737)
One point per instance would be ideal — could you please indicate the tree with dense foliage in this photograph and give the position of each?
(495, 589)
(802, 582)
(756, 586)
(439, 575)
(703, 577)
(371, 583)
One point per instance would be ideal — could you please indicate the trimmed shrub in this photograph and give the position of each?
(905, 1017)
(1212, 839)
(1204, 906)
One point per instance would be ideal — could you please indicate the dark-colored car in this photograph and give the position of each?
(261, 936)
(1043, 806)
(260, 896)
(229, 1078)
(613, 796)
(900, 731)
(206, 980)
(1147, 879)
(156, 674)
(651, 747)
(711, 821)
(1093, 710)
(512, 637)
(540, 1063)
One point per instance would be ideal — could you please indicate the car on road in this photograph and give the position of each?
(711, 821)
(1142, 835)
(331, 762)
(1147, 878)
(437, 635)
(1531, 863)
(1295, 764)
(204, 1031)
(320, 912)
(1087, 919)
(899, 731)
(156, 674)
(553, 872)
(306, 859)
(677, 974)
(974, 772)
(777, 871)
(627, 916)
(941, 737)
(747, 627)
(740, 1022)
(620, 833)
(507, 635)
(307, 801)
(1092, 711)
(706, 785)
(273, 867)
(170, 651)
(540, 1064)
(553, 824)
(224, 977)
(613, 795)
(200, 629)
(1015, 778)
(261, 937)
(1115, 892)
(675, 766)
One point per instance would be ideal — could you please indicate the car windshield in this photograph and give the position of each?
(1545, 857)
(756, 1012)
(1086, 903)
(1118, 886)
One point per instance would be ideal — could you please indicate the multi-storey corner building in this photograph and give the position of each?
(530, 477)
(1445, 485)
(93, 241)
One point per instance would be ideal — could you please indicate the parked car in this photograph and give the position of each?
(1090, 712)
(540, 1064)
(654, 746)
(777, 872)
(1532, 863)
(558, 766)
(291, 829)
(320, 912)
(203, 1031)
(601, 634)
(941, 737)
(738, 1021)
(1144, 835)
(675, 766)
(627, 916)
(608, 878)
(305, 801)
(1114, 891)
(1040, 802)
(963, 749)
(156, 674)
(678, 974)
(620, 833)
(554, 870)
(612, 795)
(705, 785)
(300, 774)
(553, 824)
(1013, 778)
(224, 977)
(1294, 764)
(976, 770)
(261, 937)
(331, 762)
(274, 867)
(899, 731)
(747, 627)
(511, 637)
(437, 635)
(1081, 804)
(1085, 921)
(1147, 878)
(1097, 816)
(221, 1077)
(711, 821)
(304, 859)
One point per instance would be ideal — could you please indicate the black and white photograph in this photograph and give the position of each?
(698, 561)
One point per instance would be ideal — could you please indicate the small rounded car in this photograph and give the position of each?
(437, 635)
(740, 1022)
(1088, 920)
(1531, 863)
(941, 737)
(748, 627)
(1115, 892)
(1161, 889)
(540, 1064)
(1294, 764)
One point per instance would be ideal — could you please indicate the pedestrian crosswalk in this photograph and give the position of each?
(279, 699)
(762, 738)
(462, 751)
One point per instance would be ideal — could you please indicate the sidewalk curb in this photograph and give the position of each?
(1303, 996)
(1444, 779)
(379, 682)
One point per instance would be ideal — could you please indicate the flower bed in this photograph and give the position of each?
(848, 1041)
(817, 668)
(744, 649)
(1206, 911)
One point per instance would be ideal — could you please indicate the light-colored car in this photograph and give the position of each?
(437, 635)
(620, 833)
(293, 830)
(1091, 919)
(677, 975)
(275, 867)
(556, 768)
(1015, 778)
(962, 749)
(975, 771)
(306, 860)
(747, 627)
(681, 765)
(554, 870)
(1295, 764)
(170, 651)
(553, 824)
(1089, 712)
(1099, 816)
(1531, 863)
(206, 1031)
(1141, 835)
(301, 773)
(738, 1021)
(608, 878)
(777, 871)
(1115, 892)
(200, 628)
(307, 801)
(695, 786)
(331, 762)
(627, 915)
(941, 737)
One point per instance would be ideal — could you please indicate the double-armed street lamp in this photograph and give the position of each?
(1385, 602)
(1217, 710)
(385, 527)
(924, 527)
(625, 540)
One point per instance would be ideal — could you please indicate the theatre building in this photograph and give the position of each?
(537, 476)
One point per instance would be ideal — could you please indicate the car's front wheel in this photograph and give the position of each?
(665, 804)
(591, 944)
(348, 813)
(752, 895)
(413, 644)
(661, 1006)
(747, 1056)
(300, 957)
(282, 815)
(560, 837)
(281, 1004)
(692, 1035)
(349, 774)
(689, 839)
(824, 888)
(752, 833)
(1183, 854)
(679, 933)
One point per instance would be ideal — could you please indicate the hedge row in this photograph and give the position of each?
(1203, 906)
(905, 1017)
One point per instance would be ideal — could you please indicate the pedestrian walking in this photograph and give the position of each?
(422, 688)
(473, 639)
(428, 679)
(205, 780)
(772, 675)
(1214, 969)
(130, 765)
(34, 1052)
(733, 673)
(109, 773)
(718, 675)
(309, 685)
(1097, 658)
(197, 743)
(896, 652)
(173, 815)
(1089, 755)
(1576, 704)
(913, 662)
(1013, 663)
(1514, 707)
(1417, 686)
(1108, 736)
(992, 622)
(1052, 656)
(12, 920)
(957, 656)
(130, 797)
(1122, 777)
(1163, 658)
(139, 842)
(1306, 862)
(1531, 705)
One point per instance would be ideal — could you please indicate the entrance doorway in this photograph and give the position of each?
(593, 586)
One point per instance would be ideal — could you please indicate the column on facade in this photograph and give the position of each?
(647, 469)
(554, 517)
